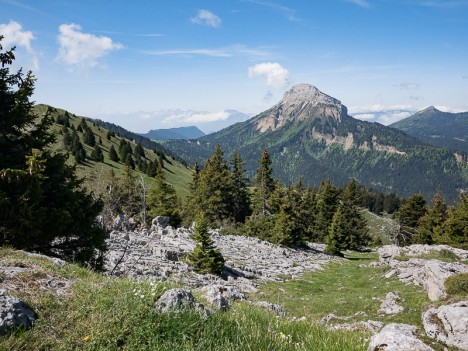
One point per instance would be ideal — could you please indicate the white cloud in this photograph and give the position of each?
(200, 117)
(378, 108)
(14, 35)
(206, 18)
(409, 86)
(448, 109)
(362, 3)
(228, 51)
(82, 49)
(275, 74)
(365, 116)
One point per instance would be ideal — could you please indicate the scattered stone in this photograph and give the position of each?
(14, 313)
(429, 274)
(175, 300)
(397, 337)
(276, 309)
(219, 295)
(160, 221)
(448, 324)
(390, 304)
(370, 326)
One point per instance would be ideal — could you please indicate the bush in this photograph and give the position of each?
(457, 284)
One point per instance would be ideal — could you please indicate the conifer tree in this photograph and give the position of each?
(129, 161)
(215, 189)
(162, 199)
(264, 185)
(41, 198)
(129, 194)
(409, 216)
(327, 202)
(337, 237)
(204, 258)
(108, 135)
(88, 137)
(456, 225)
(113, 154)
(240, 201)
(431, 228)
(97, 154)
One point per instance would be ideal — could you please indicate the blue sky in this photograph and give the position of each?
(133, 62)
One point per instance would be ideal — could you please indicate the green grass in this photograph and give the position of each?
(103, 313)
(379, 227)
(344, 289)
(96, 174)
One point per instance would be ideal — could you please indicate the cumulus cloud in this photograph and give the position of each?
(80, 49)
(14, 35)
(276, 76)
(409, 86)
(202, 117)
(448, 109)
(206, 18)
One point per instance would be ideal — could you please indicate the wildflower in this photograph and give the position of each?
(86, 338)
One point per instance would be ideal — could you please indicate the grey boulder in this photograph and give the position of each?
(397, 337)
(14, 313)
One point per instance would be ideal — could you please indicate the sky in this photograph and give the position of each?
(151, 64)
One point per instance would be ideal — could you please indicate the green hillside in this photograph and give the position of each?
(96, 173)
(437, 128)
(313, 138)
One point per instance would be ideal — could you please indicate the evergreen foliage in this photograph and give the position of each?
(265, 185)
(336, 241)
(97, 154)
(162, 199)
(456, 225)
(204, 258)
(113, 154)
(327, 202)
(43, 206)
(240, 199)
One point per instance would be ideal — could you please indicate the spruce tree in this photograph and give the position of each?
(431, 228)
(327, 202)
(204, 258)
(456, 226)
(264, 185)
(215, 189)
(409, 216)
(129, 161)
(42, 199)
(113, 154)
(337, 237)
(97, 154)
(88, 137)
(240, 200)
(162, 199)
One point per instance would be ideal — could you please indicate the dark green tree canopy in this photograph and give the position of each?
(43, 206)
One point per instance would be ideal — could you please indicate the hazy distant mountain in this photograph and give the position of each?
(311, 136)
(437, 128)
(191, 132)
(206, 121)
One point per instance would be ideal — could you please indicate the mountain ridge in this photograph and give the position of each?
(189, 132)
(317, 139)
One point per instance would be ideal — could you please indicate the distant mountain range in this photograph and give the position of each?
(311, 136)
(191, 132)
(437, 128)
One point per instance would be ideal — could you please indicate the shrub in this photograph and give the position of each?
(457, 284)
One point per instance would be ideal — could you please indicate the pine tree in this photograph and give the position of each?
(129, 161)
(214, 189)
(113, 154)
(88, 137)
(97, 154)
(264, 185)
(240, 201)
(431, 228)
(129, 195)
(357, 230)
(327, 202)
(409, 215)
(456, 225)
(204, 258)
(41, 197)
(162, 199)
(108, 135)
(337, 237)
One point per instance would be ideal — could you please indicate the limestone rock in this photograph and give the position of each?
(175, 300)
(397, 337)
(14, 313)
(160, 221)
(390, 304)
(274, 308)
(449, 324)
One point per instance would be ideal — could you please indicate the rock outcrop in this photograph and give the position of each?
(397, 337)
(390, 304)
(448, 324)
(429, 274)
(14, 313)
(159, 253)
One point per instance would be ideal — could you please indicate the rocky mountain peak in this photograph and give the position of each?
(301, 102)
(307, 93)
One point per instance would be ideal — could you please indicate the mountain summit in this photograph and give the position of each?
(302, 101)
(310, 135)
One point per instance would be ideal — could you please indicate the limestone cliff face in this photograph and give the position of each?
(301, 102)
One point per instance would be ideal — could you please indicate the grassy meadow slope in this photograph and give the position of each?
(96, 174)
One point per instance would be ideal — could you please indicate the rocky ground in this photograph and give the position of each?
(157, 254)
